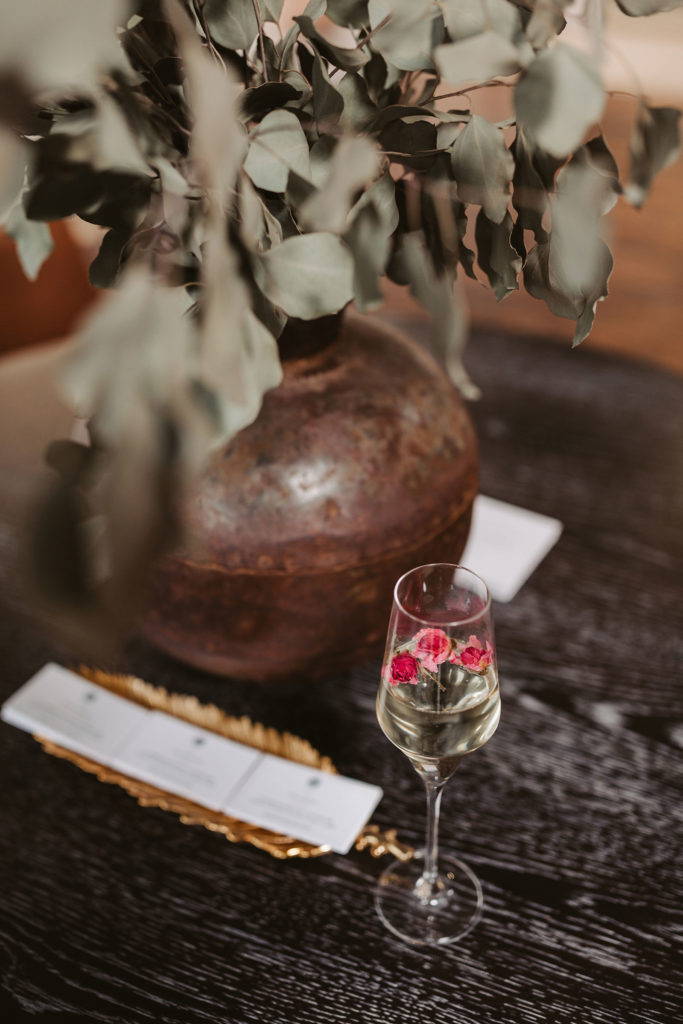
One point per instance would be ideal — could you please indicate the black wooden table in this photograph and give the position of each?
(571, 815)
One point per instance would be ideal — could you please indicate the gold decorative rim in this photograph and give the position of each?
(242, 730)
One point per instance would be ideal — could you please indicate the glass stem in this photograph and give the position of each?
(434, 790)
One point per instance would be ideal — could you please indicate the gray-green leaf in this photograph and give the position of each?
(308, 275)
(232, 23)
(410, 31)
(574, 307)
(348, 12)
(354, 164)
(483, 167)
(32, 238)
(529, 196)
(449, 321)
(373, 220)
(496, 256)
(277, 146)
(341, 57)
(272, 9)
(546, 22)
(359, 109)
(655, 143)
(575, 255)
(558, 98)
(370, 251)
(327, 102)
(477, 59)
(466, 18)
(638, 8)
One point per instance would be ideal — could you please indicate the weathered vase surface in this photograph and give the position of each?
(361, 465)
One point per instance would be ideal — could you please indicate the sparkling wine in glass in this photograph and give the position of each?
(438, 700)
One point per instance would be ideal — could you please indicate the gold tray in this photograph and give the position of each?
(241, 730)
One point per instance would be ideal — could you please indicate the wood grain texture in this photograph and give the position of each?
(571, 816)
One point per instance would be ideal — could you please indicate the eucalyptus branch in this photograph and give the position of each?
(368, 35)
(261, 38)
(198, 7)
(473, 88)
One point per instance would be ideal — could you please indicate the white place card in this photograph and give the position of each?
(507, 543)
(181, 758)
(62, 706)
(195, 763)
(305, 803)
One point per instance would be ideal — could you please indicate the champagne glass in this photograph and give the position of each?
(437, 701)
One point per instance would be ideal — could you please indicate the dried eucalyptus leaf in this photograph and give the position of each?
(58, 188)
(354, 164)
(546, 22)
(12, 170)
(396, 112)
(580, 308)
(375, 75)
(232, 23)
(477, 59)
(496, 256)
(133, 346)
(298, 191)
(259, 101)
(250, 214)
(130, 371)
(410, 143)
(63, 46)
(285, 48)
(370, 249)
(449, 321)
(447, 133)
(348, 12)
(105, 268)
(277, 146)
(113, 146)
(320, 156)
(347, 59)
(239, 356)
(465, 18)
(575, 255)
(272, 9)
(32, 238)
(359, 110)
(597, 153)
(327, 102)
(236, 360)
(655, 143)
(444, 224)
(411, 30)
(308, 276)
(558, 98)
(483, 167)
(315, 9)
(529, 196)
(638, 8)
(382, 195)
(218, 142)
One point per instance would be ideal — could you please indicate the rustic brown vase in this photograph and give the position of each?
(362, 464)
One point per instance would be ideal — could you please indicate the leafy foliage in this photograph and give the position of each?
(246, 172)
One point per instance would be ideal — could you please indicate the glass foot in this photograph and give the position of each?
(424, 914)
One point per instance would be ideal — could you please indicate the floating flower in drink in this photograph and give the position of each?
(404, 668)
(432, 647)
(429, 649)
(472, 655)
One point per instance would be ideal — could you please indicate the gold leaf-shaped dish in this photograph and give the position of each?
(240, 730)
